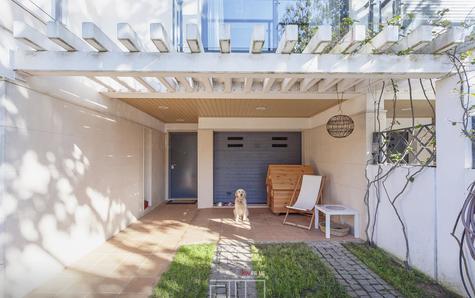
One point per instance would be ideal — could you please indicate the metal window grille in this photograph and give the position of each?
(411, 146)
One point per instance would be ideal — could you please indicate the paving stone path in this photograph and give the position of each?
(358, 280)
(231, 271)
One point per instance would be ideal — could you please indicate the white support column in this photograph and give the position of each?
(453, 174)
(205, 168)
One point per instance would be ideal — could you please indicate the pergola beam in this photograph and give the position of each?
(57, 33)
(193, 38)
(159, 37)
(231, 65)
(170, 85)
(447, 40)
(225, 38)
(258, 38)
(307, 83)
(247, 87)
(382, 41)
(267, 85)
(351, 41)
(287, 83)
(98, 39)
(288, 40)
(129, 38)
(146, 84)
(416, 40)
(319, 41)
(325, 84)
(31, 37)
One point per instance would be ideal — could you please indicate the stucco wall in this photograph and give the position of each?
(72, 177)
(342, 161)
(416, 208)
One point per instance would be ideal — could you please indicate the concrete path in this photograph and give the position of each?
(231, 273)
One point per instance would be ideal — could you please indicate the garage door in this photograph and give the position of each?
(241, 160)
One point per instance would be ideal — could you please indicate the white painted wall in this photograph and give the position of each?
(72, 178)
(417, 209)
(342, 161)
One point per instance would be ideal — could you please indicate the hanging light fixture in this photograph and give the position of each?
(340, 126)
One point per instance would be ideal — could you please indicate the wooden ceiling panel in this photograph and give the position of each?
(189, 110)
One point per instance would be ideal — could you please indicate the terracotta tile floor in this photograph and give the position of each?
(130, 263)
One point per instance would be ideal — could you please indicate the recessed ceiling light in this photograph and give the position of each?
(405, 109)
(180, 120)
(261, 108)
(162, 107)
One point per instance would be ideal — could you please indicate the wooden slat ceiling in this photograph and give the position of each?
(188, 110)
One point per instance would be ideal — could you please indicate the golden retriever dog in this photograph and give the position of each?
(240, 205)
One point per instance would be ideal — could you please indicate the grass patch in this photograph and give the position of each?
(293, 270)
(410, 283)
(188, 273)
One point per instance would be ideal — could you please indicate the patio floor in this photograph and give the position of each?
(130, 263)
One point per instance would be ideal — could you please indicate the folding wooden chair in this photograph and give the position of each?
(311, 192)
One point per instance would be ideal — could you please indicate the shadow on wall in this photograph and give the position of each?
(72, 178)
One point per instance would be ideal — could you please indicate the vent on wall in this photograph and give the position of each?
(235, 138)
(235, 145)
(279, 145)
(279, 138)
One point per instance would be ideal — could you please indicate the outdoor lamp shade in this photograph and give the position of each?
(340, 126)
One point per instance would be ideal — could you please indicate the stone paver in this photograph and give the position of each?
(358, 280)
(231, 273)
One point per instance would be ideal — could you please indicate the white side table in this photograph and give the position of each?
(329, 210)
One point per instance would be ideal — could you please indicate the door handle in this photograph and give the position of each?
(172, 166)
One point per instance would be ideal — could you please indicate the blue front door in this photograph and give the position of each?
(182, 165)
(241, 161)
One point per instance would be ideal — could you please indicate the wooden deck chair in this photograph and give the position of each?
(311, 191)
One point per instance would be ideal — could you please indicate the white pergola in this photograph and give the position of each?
(317, 73)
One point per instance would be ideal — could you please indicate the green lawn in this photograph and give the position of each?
(293, 270)
(188, 273)
(410, 283)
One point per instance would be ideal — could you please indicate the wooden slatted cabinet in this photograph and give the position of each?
(280, 183)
